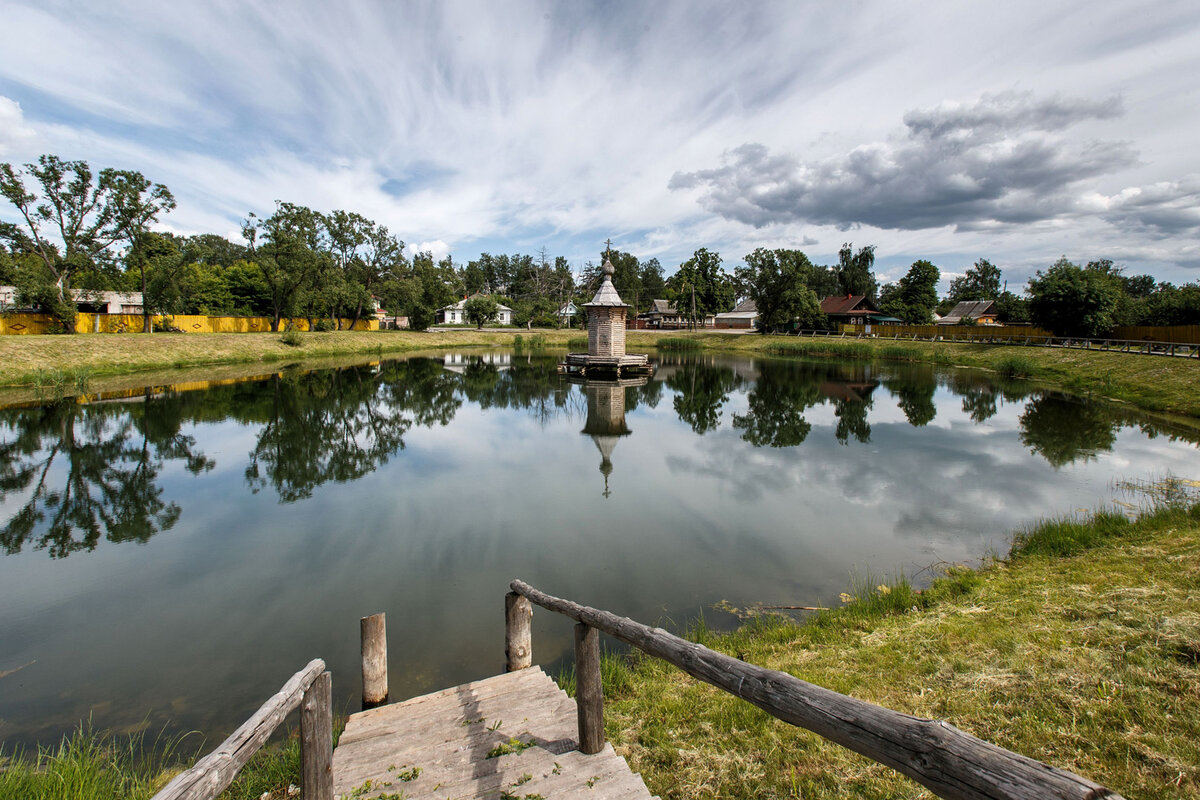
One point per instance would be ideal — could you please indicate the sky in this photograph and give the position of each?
(1019, 132)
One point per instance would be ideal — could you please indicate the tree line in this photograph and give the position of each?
(81, 231)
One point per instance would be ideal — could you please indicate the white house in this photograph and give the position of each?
(455, 315)
(567, 313)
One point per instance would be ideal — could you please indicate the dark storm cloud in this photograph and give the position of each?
(1002, 160)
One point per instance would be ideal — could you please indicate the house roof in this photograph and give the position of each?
(747, 309)
(662, 307)
(845, 304)
(974, 309)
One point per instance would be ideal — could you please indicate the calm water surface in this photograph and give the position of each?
(171, 559)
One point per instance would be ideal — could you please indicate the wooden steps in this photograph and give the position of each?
(437, 746)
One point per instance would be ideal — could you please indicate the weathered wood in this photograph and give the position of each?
(316, 740)
(374, 660)
(951, 763)
(589, 696)
(518, 636)
(212, 774)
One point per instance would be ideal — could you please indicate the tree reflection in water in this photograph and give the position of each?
(81, 473)
(91, 471)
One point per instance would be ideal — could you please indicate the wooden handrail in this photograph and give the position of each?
(951, 763)
(308, 688)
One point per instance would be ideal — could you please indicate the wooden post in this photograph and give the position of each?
(374, 660)
(589, 696)
(316, 740)
(518, 634)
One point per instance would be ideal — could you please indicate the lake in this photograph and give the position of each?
(169, 559)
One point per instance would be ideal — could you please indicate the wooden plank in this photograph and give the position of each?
(480, 692)
(212, 774)
(951, 763)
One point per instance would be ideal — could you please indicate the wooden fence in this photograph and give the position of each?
(185, 323)
(1011, 335)
(949, 762)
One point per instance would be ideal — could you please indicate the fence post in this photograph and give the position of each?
(374, 660)
(518, 635)
(589, 696)
(316, 740)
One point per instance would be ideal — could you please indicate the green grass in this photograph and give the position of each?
(87, 765)
(1081, 649)
(678, 344)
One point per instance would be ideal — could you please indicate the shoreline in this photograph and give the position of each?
(1156, 384)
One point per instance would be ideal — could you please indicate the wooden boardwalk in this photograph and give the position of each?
(511, 736)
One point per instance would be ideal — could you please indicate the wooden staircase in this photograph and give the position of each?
(511, 736)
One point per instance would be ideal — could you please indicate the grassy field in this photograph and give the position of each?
(1155, 383)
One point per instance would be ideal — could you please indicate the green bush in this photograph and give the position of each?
(291, 337)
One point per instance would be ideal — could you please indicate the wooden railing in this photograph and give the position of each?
(310, 689)
(949, 762)
(1014, 336)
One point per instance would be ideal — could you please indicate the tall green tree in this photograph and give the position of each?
(68, 226)
(365, 253)
(915, 296)
(137, 203)
(854, 271)
(981, 282)
(701, 287)
(289, 248)
(1072, 301)
(775, 281)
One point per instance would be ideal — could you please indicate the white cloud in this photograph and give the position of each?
(15, 135)
(530, 123)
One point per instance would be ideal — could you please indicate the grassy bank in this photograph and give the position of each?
(1081, 649)
(57, 363)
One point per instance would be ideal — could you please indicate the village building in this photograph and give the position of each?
(456, 314)
(851, 309)
(567, 313)
(981, 312)
(744, 316)
(664, 316)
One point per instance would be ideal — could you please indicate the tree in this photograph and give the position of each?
(981, 282)
(1071, 301)
(69, 226)
(774, 280)
(915, 297)
(136, 203)
(854, 273)
(700, 287)
(365, 253)
(481, 309)
(292, 250)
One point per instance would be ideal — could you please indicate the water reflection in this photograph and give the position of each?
(90, 472)
(606, 416)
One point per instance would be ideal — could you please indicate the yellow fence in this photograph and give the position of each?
(187, 323)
